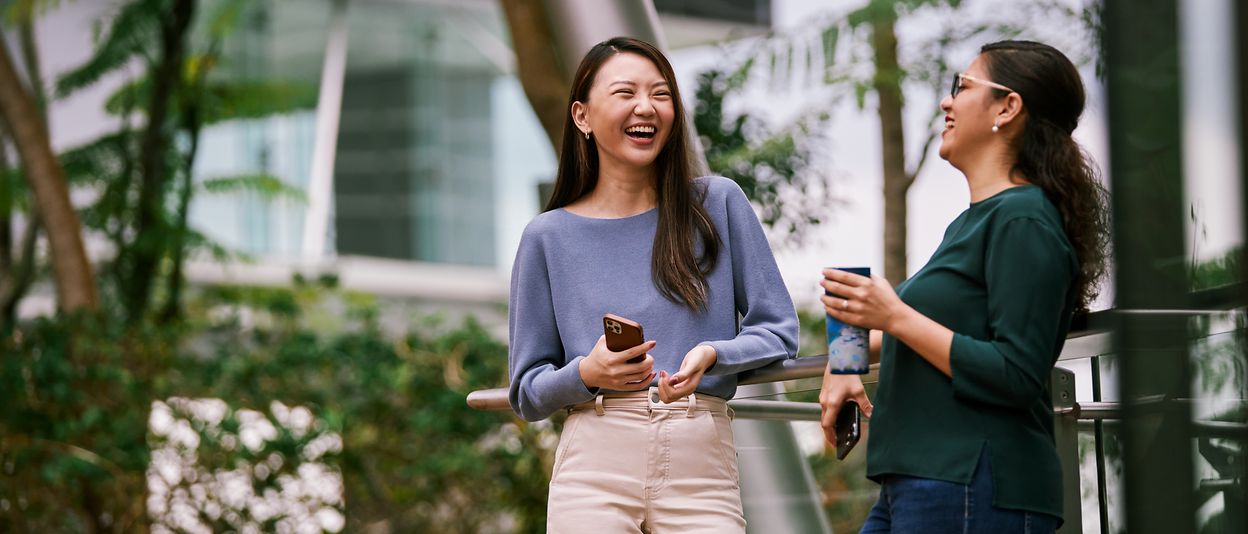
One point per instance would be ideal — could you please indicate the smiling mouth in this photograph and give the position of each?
(640, 132)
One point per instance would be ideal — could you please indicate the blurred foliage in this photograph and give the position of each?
(138, 178)
(76, 392)
(413, 457)
(1218, 272)
(845, 491)
(776, 168)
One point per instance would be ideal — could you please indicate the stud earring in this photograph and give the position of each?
(995, 127)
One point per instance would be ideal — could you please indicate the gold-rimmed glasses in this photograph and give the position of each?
(957, 84)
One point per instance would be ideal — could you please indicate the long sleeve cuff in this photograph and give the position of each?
(554, 390)
(734, 356)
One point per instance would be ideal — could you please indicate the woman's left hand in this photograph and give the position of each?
(685, 381)
(860, 301)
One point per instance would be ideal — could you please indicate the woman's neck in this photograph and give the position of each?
(618, 194)
(991, 175)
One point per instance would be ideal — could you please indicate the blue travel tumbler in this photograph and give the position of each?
(847, 345)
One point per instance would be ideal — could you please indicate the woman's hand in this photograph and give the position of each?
(835, 391)
(685, 381)
(860, 301)
(611, 370)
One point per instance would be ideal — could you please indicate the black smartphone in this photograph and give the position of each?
(622, 334)
(848, 428)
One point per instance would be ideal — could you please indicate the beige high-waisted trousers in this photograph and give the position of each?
(628, 463)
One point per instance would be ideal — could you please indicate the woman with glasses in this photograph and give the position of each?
(631, 230)
(962, 422)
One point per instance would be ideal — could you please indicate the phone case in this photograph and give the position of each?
(622, 334)
(848, 428)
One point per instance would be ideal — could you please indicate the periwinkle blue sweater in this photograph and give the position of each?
(570, 270)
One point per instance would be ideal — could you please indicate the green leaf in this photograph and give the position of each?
(16, 12)
(225, 18)
(196, 241)
(267, 186)
(860, 94)
(830, 37)
(250, 99)
(135, 29)
(94, 162)
(229, 100)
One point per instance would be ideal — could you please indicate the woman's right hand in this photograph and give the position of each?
(835, 391)
(611, 370)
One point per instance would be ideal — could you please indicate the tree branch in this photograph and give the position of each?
(30, 56)
(6, 210)
(75, 284)
(166, 79)
(537, 65)
(932, 135)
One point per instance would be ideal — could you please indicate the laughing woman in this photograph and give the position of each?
(962, 429)
(629, 230)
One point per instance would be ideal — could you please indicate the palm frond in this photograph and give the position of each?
(267, 186)
(251, 99)
(135, 28)
(222, 101)
(198, 243)
(93, 162)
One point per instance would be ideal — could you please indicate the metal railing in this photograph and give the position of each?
(1092, 340)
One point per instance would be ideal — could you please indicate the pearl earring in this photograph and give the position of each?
(995, 127)
(587, 134)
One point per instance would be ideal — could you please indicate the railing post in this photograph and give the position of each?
(778, 489)
(1066, 437)
(1143, 84)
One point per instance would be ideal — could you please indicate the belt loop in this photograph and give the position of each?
(732, 414)
(693, 404)
(598, 409)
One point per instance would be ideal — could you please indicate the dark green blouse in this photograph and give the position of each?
(1003, 281)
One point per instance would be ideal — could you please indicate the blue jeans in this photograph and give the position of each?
(923, 505)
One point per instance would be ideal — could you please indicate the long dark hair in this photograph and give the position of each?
(678, 273)
(1053, 98)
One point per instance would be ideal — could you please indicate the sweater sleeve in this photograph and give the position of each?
(768, 330)
(541, 383)
(1028, 272)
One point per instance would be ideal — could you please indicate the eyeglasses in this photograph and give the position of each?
(957, 84)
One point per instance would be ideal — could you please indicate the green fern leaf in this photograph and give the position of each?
(135, 28)
(267, 186)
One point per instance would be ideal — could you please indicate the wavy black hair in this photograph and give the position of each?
(1047, 155)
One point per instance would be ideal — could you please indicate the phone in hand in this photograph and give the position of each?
(848, 428)
(622, 334)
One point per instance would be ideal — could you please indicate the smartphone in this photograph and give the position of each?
(622, 334)
(848, 428)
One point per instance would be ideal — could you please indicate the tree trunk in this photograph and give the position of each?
(6, 213)
(75, 285)
(887, 85)
(537, 65)
(17, 272)
(173, 302)
(150, 228)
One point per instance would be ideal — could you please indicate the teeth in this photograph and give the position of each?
(640, 129)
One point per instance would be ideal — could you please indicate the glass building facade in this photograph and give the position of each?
(438, 153)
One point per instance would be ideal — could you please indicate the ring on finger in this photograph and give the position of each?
(844, 304)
